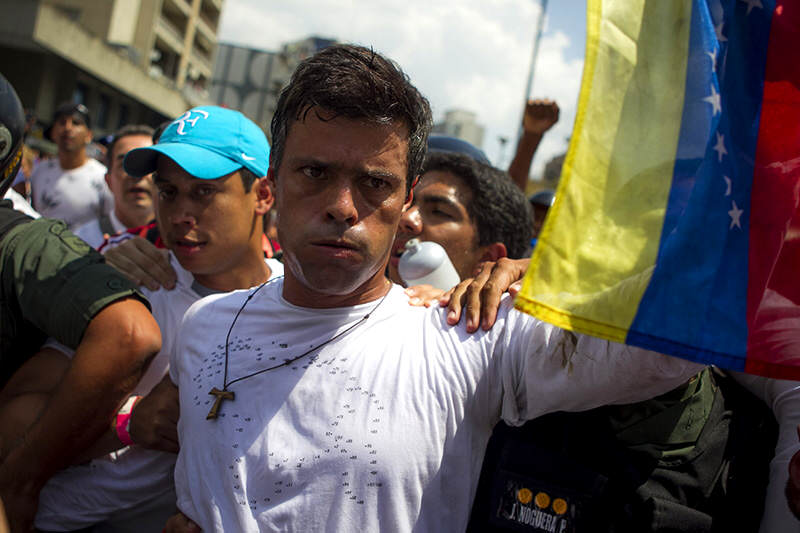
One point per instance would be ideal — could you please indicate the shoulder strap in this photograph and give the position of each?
(11, 218)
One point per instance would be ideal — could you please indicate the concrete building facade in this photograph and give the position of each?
(128, 61)
(461, 124)
(250, 80)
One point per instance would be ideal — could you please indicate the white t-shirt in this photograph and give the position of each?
(83, 495)
(383, 429)
(20, 203)
(75, 196)
(93, 234)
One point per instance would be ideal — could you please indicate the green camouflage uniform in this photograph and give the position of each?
(51, 285)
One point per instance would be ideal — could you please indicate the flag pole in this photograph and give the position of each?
(536, 38)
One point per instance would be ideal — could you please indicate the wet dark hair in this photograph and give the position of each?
(124, 131)
(499, 210)
(357, 83)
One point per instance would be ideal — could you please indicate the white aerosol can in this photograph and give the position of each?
(426, 263)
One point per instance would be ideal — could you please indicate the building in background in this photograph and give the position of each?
(250, 80)
(128, 61)
(461, 124)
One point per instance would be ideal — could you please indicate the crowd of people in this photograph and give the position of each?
(244, 355)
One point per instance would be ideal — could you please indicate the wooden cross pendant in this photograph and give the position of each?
(220, 395)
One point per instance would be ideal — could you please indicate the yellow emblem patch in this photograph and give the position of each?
(560, 506)
(542, 500)
(12, 163)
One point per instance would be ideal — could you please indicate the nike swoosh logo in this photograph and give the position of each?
(247, 157)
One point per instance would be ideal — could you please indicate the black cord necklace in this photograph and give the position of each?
(226, 394)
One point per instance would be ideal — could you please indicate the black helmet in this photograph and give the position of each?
(12, 132)
(543, 198)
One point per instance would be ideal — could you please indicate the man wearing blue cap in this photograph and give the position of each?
(210, 166)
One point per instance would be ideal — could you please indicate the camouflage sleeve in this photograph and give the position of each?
(59, 282)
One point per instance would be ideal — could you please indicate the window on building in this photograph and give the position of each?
(124, 111)
(102, 110)
(80, 93)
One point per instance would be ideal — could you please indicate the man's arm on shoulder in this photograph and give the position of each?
(141, 262)
(109, 361)
(480, 295)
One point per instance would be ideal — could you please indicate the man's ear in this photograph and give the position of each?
(494, 251)
(264, 196)
(108, 179)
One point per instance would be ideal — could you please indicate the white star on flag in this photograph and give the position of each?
(736, 215)
(713, 55)
(714, 100)
(751, 4)
(720, 146)
(728, 183)
(718, 28)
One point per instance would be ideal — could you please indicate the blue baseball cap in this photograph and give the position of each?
(208, 142)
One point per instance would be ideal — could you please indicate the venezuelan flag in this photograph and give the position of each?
(676, 225)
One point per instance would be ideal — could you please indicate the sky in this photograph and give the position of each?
(465, 54)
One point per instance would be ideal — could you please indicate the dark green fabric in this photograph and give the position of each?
(51, 285)
(666, 427)
(678, 462)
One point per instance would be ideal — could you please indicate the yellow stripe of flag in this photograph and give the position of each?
(596, 253)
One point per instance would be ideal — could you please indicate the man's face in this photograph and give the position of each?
(439, 214)
(339, 192)
(133, 197)
(208, 224)
(70, 133)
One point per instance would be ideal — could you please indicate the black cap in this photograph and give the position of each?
(71, 109)
(443, 143)
(12, 133)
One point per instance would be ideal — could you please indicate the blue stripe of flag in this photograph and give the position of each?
(697, 295)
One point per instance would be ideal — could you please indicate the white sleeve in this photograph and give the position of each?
(545, 369)
(783, 397)
(55, 345)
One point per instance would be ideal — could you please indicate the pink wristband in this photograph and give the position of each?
(123, 420)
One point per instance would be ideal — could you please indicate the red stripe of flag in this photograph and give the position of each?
(773, 297)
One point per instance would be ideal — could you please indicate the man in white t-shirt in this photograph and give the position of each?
(320, 401)
(210, 218)
(71, 187)
(133, 196)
